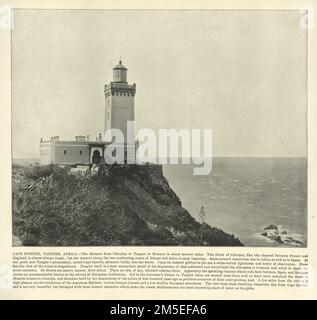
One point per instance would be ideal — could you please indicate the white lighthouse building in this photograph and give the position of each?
(119, 98)
(119, 109)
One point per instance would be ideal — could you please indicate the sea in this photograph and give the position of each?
(242, 196)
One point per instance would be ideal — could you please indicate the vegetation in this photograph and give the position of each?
(120, 205)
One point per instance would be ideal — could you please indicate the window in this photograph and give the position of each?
(80, 152)
(64, 151)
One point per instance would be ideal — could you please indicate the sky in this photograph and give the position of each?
(240, 73)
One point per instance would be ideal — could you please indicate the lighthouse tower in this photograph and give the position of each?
(119, 99)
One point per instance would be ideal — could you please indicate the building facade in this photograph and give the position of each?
(119, 108)
(59, 152)
(119, 102)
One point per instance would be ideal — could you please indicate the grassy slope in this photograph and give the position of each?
(121, 205)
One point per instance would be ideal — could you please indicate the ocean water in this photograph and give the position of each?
(244, 195)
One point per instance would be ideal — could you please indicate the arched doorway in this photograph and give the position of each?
(96, 158)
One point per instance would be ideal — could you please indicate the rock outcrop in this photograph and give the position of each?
(118, 205)
(273, 233)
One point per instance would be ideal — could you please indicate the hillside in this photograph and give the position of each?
(119, 205)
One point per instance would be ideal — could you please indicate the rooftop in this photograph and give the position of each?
(120, 66)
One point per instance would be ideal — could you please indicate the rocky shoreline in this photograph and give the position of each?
(273, 233)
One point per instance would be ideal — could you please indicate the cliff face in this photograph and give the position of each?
(120, 205)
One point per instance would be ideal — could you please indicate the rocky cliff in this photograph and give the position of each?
(119, 205)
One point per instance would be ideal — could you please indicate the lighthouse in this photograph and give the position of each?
(119, 110)
(119, 101)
